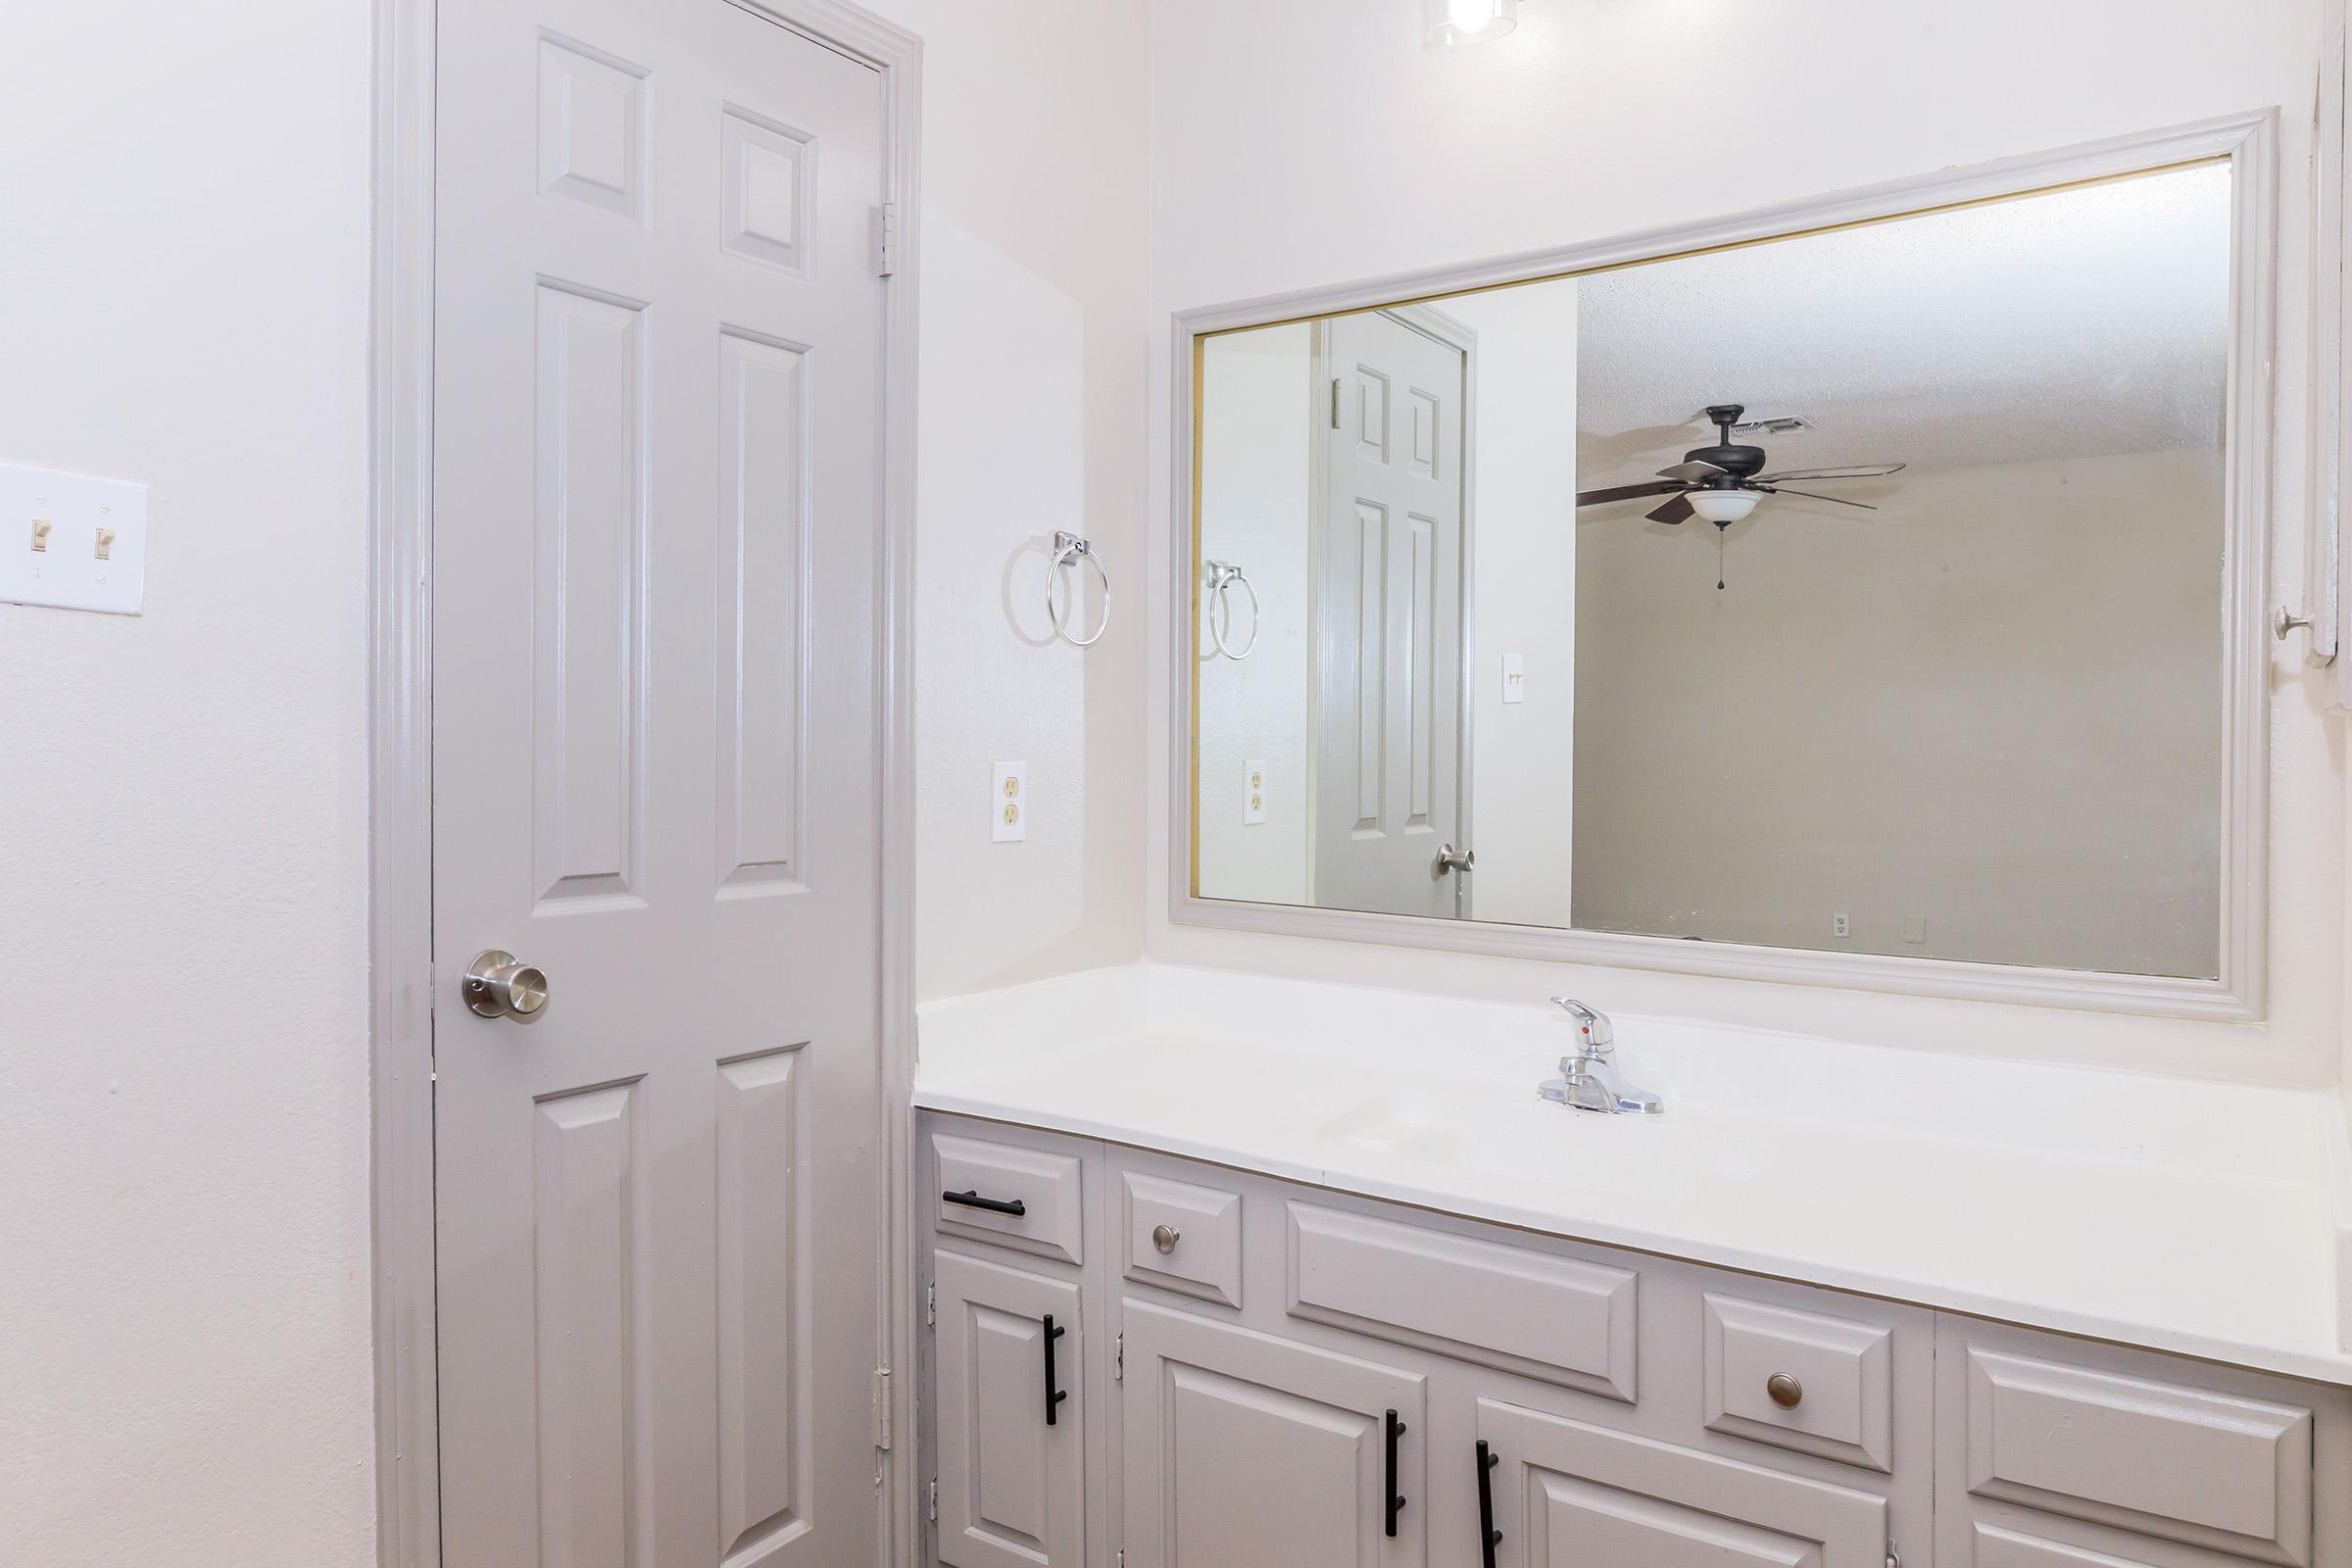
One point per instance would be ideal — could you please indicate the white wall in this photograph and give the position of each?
(185, 1342)
(1259, 445)
(184, 1354)
(1271, 172)
(1523, 599)
(1036, 121)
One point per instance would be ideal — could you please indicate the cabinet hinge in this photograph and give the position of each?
(882, 1408)
(1118, 1359)
(886, 239)
(1334, 403)
(931, 1508)
(931, 1305)
(1894, 1558)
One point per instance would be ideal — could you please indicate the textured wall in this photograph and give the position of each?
(183, 1095)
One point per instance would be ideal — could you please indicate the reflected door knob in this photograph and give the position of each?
(498, 985)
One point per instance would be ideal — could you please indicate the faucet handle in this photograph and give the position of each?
(1591, 1023)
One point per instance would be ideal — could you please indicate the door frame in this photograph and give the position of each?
(401, 983)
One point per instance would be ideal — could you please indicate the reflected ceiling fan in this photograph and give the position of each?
(1722, 483)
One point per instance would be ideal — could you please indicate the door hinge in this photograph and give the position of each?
(1334, 403)
(886, 239)
(931, 1509)
(1118, 1353)
(931, 1305)
(1894, 1558)
(882, 1408)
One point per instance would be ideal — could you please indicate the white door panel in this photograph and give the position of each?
(1388, 623)
(657, 398)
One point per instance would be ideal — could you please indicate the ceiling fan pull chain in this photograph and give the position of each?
(1718, 534)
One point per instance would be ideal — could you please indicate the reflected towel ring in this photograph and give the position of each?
(1068, 548)
(1222, 575)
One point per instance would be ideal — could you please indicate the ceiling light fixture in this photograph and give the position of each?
(1454, 24)
(1722, 507)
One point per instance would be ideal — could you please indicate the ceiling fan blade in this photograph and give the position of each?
(1678, 510)
(1692, 470)
(1626, 492)
(1783, 490)
(1867, 470)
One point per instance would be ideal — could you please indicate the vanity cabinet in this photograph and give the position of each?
(1264, 1373)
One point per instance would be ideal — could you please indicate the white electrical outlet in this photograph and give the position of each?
(1915, 928)
(1253, 791)
(1009, 803)
(71, 541)
(1839, 925)
(1514, 677)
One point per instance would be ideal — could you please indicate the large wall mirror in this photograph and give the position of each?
(1876, 601)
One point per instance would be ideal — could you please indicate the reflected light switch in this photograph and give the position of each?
(1514, 677)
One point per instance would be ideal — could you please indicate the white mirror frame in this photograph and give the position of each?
(2249, 141)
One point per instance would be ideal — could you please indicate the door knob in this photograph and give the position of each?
(501, 986)
(1450, 859)
(1786, 1390)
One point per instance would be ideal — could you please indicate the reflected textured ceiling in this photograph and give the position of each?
(2080, 322)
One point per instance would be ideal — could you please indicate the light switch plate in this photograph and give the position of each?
(1009, 803)
(93, 538)
(1253, 791)
(1514, 677)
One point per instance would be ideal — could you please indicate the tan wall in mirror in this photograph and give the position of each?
(1590, 122)
(1988, 714)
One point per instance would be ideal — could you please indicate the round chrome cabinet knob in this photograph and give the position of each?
(1165, 1237)
(499, 985)
(1785, 1389)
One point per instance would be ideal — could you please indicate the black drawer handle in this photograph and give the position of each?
(1489, 1537)
(995, 1205)
(1395, 1503)
(1054, 1394)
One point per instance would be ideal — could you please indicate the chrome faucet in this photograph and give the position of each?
(1589, 1080)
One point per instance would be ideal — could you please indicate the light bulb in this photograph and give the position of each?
(1722, 506)
(1450, 23)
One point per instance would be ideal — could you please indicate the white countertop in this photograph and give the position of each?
(2202, 1218)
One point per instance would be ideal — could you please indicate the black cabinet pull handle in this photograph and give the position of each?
(995, 1205)
(1489, 1537)
(1395, 1503)
(1054, 1395)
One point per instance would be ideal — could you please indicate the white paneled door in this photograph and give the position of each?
(1388, 623)
(657, 408)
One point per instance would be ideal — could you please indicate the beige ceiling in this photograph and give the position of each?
(2076, 322)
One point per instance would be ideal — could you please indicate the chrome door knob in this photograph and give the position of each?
(499, 985)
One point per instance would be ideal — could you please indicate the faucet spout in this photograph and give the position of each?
(1590, 1079)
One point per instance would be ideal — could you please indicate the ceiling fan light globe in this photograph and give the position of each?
(1723, 505)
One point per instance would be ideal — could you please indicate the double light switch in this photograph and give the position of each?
(72, 541)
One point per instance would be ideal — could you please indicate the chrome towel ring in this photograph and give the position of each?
(1222, 576)
(1067, 549)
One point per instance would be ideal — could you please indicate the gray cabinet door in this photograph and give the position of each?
(1565, 1494)
(1243, 1451)
(1011, 1485)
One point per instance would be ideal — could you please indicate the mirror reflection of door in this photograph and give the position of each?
(1390, 760)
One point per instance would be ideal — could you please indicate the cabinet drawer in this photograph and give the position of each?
(1799, 1381)
(1559, 1492)
(1182, 1236)
(1029, 1200)
(1560, 1319)
(2209, 1469)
